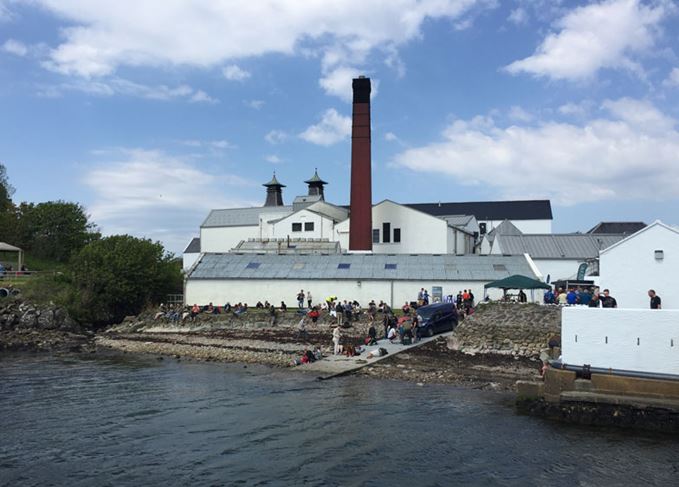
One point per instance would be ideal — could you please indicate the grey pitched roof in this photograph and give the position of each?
(236, 217)
(556, 246)
(444, 267)
(458, 220)
(627, 228)
(193, 247)
(491, 210)
(328, 210)
(505, 228)
(285, 246)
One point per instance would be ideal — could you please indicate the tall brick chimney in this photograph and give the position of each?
(360, 223)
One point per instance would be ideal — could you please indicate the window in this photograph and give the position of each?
(386, 232)
(342, 265)
(296, 227)
(659, 255)
(482, 228)
(500, 267)
(308, 226)
(253, 265)
(397, 235)
(390, 266)
(376, 235)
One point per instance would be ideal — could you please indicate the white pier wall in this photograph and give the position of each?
(641, 340)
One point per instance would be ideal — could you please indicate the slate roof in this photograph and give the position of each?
(193, 247)
(491, 210)
(236, 217)
(627, 228)
(556, 246)
(285, 246)
(458, 220)
(427, 267)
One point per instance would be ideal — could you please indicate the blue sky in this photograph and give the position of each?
(150, 113)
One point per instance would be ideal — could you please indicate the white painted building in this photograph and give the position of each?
(191, 254)
(647, 259)
(399, 229)
(395, 279)
(557, 256)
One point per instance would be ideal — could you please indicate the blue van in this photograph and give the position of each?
(436, 318)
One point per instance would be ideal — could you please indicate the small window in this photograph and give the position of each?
(499, 267)
(253, 265)
(386, 232)
(308, 226)
(390, 266)
(296, 227)
(659, 255)
(482, 228)
(376, 235)
(397, 235)
(343, 265)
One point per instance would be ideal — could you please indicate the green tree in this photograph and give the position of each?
(6, 190)
(54, 230)
(118, 276)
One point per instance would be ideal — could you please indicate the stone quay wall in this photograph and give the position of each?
(520, 330)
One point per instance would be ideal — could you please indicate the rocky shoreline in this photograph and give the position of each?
(252, 340)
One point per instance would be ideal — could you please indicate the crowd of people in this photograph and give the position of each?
(591, 297)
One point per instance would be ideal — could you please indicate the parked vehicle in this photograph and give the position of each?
(436, 318)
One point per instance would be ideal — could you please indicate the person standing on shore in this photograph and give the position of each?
(272, 315)
(308, 298)
(300, 299)
(608, 301)
(336, 335)
(656, 302)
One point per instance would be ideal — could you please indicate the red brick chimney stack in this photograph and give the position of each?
(360, 224)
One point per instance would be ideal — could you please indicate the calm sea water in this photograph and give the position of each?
(137, 421)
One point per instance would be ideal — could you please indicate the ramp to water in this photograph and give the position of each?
(337, 365)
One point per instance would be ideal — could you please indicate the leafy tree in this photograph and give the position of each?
(118, 276)
(54, 230)
(6, 190)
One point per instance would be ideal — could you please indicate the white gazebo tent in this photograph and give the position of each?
(5, 247)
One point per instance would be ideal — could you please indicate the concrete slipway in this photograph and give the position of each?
(337, 365)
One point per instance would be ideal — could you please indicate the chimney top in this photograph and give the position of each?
(361, 87)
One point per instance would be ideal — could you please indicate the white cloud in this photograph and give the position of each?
(12, 46)
(276, 137)
(103, 36)
(518, 16)
(254, 104)
(630, 152)
(672, 80)
(580, 109)
(208, 144)
(519, 114)
(199, 96)
(273, 159)
(119, 86)
(151, 194)
(332, 128)
(337, 82)
(234, 72)
(390, 137)
(609, 34)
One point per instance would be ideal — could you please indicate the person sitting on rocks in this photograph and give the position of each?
(241, 309)
(372, 336)
(318, 353)
(392, 334)
(267, 304)
(284, 307)
(310, 356)
(314, 314)
(195, 311)
(216, 310)
(259, 305)
(407, 338)
(227, 307)
(210, 308)
(160, 313)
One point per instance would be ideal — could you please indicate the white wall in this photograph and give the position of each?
(276, 290)
(223, 239)
(639, 340)
(630, 269)
(188, 260)
(323, 227)
(558, 268)
(420, 233)
(526, 226)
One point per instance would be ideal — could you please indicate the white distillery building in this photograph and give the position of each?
(395, 279)
(557, 256)
(647, 259)
(452, 228)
